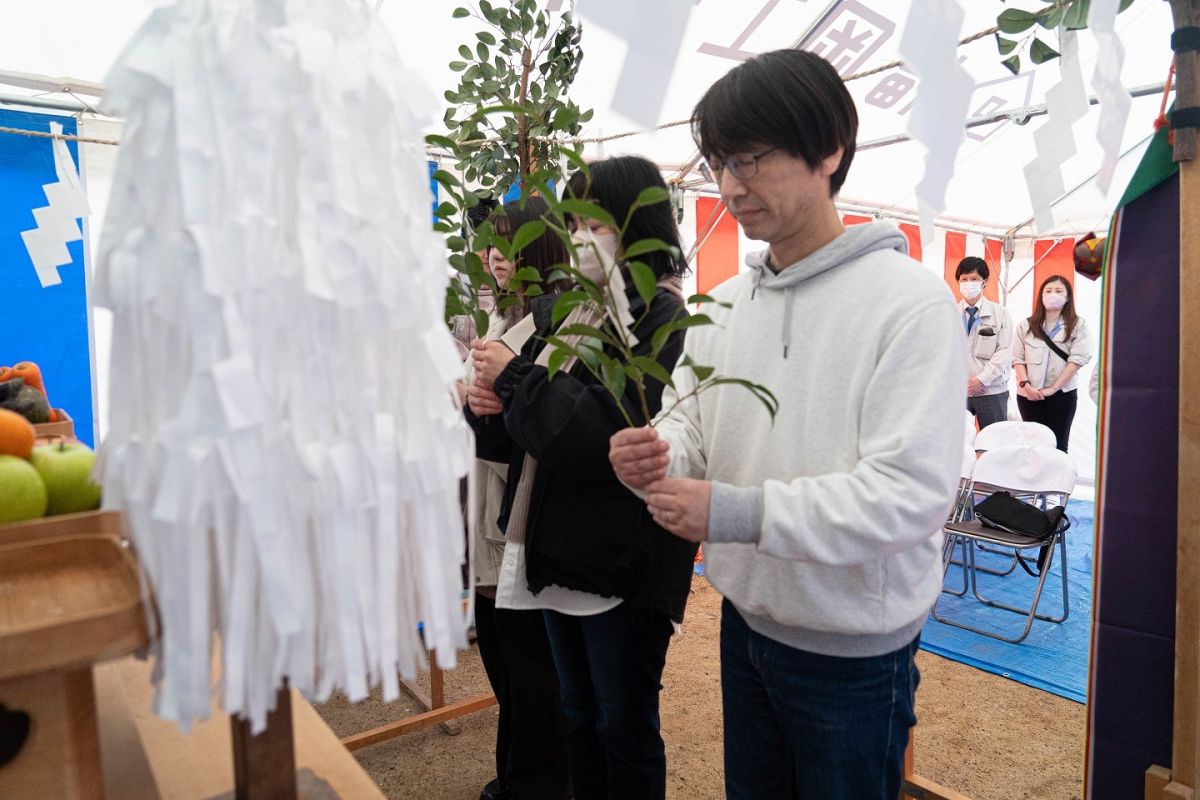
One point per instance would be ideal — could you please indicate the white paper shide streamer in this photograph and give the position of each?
(929, 48)
(1066, 104)
(1115, 100)
(283, 438)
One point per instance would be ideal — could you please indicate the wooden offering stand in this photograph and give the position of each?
(70, 596)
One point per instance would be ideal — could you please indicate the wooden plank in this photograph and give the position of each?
(1176, 791)
(87, 523)
(264, 764)
(919, 788)
(1156, 781)
(418, 721)
(1185, 747)
(187, 766)
(61, 757)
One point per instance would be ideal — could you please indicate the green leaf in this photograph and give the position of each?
(1040, 52)
(446, 179)
(1005, 46)
(1050, 17)
(481, 322)
(1014, 20)
(691, 321)
(460, 12)
(1013, 63)
(434, 140)
(654, 369)
(643, 279)
(507, 302)
(526, 235)
(486, 38)
(565, 302)
(555, 362)
(702, 372)
(458, 66)
(643, 246)
(763, 394)
(1077, 14)
(533, 291)
(465, 52)
(614, 376)
(527, 274)
(586, 210)
(587, 332)
(651, 195)
(446, 211)
(697, 299)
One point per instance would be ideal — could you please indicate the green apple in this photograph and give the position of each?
(66, 469)
(22, 493)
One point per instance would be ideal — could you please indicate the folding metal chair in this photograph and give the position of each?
(1014, 431)
(962, 502)
(1042, 476)
(1002, 434)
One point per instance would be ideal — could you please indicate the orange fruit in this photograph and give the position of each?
(16, 435)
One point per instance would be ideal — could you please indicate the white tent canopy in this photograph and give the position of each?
(987, 194)
(81, 39)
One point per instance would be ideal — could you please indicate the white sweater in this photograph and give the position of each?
(825, 529)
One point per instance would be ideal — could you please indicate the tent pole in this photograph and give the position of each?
(1185, 740)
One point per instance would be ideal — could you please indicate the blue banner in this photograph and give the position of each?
(46, 324)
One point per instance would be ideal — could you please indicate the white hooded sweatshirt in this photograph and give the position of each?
(825, 528)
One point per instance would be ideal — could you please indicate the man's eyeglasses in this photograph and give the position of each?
(740, 166)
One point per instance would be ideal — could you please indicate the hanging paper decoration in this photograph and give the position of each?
(1054, 141)
(58, 221)
(929, 48)
(1115, 100)
(283, 435)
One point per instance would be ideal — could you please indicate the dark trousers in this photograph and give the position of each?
(803, 725)
(1056, 412)
(989, 408)
(610, 669)
(531, 750)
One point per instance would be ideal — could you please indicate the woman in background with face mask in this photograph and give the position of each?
(1049, 349)
(581, 547)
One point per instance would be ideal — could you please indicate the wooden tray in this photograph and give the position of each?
(67, 602)
(65, 427)
(86, 523)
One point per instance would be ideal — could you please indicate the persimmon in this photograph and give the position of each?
(16, 435)
(31, 373)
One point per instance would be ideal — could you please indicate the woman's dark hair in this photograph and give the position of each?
(1037, 323)
(476, 215)
(790, 99)
(543, 254)
(972, 264)
(614, 184)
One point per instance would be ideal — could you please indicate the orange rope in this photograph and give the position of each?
(1161, 120)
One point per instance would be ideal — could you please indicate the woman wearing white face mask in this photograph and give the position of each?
(581, 546)
(989, 344)
(1049, 349)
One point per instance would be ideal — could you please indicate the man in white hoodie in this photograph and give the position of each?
(821, 529)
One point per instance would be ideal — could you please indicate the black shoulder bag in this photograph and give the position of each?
(1002, 511)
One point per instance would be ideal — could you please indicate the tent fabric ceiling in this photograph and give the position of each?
(81, 39)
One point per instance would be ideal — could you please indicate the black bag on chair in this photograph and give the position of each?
(1004, 512)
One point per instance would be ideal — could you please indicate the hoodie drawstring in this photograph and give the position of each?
(788, 302)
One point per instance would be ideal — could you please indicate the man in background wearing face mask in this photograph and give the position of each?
(989, 344)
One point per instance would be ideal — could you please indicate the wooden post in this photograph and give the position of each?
(264, 766)
(1185, 747)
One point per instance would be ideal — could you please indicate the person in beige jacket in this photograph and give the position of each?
(1049, 349)
(531, 737)
(989, 344)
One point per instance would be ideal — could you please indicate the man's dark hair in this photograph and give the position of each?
(477, 214)
(614, 185)
(790, 99)
(972, 264)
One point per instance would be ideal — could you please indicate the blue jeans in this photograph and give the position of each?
(803, 725)
(610, 669)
